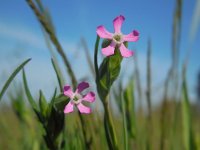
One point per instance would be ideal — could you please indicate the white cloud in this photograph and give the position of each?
(22, 35)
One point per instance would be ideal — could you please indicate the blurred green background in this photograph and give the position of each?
(155, 101)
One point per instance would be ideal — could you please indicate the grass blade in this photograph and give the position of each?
(148, 96)
(57, 74)
(28, 93)
(86, 50)
(54, 40)
(186, 115)
(12, 76)
(138, 81)
(148, 92)
(195, 23)
(43, 105)
(129, 104)
(124, 124)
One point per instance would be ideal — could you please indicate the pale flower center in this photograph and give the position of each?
(117, 38)
(77, 98)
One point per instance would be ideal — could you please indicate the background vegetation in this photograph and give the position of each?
(28, 122)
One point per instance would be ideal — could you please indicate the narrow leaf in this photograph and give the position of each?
(12, 76)
(57, 74)
(51, 104)
(124, 124)
(186, 113)
(43, 104)
(130, 109)
(28, 93)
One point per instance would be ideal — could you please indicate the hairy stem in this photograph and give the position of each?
(108, 120)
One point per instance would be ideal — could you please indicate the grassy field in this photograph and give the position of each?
(30, 123)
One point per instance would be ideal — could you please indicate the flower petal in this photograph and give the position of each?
(84, 109)
(110, 50)
(69, 108)
(133, 36)
(124, 51)
(89, 97)
(117, 22)
(103, 33)
(68, 91)
(82, 86)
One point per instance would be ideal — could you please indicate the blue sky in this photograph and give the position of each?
(21, 35)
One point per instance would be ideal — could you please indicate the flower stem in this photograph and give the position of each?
(108, 123)
(96, 58)
(109, 126)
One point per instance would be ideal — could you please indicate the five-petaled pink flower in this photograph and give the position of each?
(117, 38)
(76, 98)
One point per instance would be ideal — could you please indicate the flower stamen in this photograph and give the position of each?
(117, 38)
(76, 99)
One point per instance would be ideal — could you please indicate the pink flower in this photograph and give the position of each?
(117, 38)
(76, 98)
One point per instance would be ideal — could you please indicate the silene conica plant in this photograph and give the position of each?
(50, 113)
(114, 47)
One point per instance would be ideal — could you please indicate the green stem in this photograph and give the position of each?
(124, 124)
(95, 57)
(108, 138)
(109, 121)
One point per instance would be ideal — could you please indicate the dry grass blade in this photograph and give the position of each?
(47, 16)
(89, 60)
(176, 37)
(195, 22)
(176, 33)
(54, 40)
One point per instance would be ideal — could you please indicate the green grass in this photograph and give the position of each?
(174, 124)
